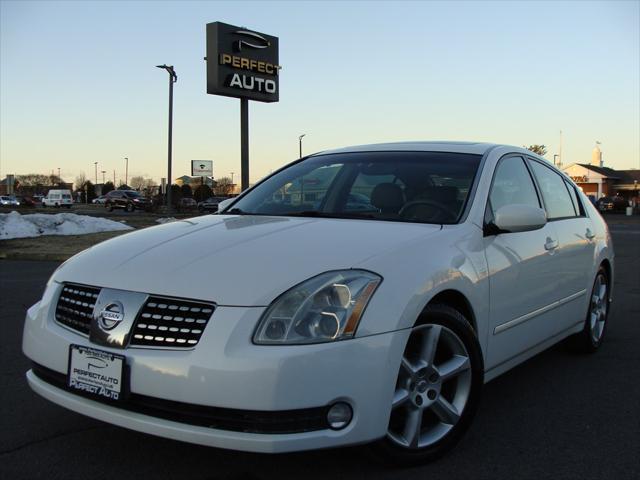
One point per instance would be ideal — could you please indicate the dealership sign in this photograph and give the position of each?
(242, 63)
(202, 168)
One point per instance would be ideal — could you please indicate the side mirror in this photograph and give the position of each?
(519, 218)
(224, 204)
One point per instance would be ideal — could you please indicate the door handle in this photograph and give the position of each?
(551, 244)
(590, 235)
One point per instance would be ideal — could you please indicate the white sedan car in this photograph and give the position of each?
(297, 319)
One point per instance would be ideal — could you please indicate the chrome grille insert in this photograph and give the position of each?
(167, 322)
(75, 307)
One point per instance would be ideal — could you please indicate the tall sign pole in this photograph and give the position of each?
(244, 143)
(242, 63)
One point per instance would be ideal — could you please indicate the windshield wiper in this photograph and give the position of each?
(315, 213)
(237, 211)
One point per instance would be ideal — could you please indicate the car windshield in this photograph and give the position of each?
(423, 187)
(132, 194)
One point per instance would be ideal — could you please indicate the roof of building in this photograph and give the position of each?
(604, 171)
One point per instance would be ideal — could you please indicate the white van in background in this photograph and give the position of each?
(58, 198)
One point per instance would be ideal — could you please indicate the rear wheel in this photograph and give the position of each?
(437, 390)
(129, 207)
(592, 335)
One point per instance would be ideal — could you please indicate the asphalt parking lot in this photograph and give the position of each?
(559, 415)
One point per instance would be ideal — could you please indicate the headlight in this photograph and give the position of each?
(322, 309)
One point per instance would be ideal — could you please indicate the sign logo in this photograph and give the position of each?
(242, 63)
(202, 168)
(111, 316)
(253, 36)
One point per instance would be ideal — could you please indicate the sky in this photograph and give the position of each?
(78, 82)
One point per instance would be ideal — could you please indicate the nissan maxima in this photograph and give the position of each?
(298, 318)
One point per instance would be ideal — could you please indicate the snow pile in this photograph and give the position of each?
(165, 220)
(14, 225)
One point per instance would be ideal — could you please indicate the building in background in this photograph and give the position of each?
(598, 181)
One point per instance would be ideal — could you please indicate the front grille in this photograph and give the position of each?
(250, 421)
(168, 322)
(75, 307)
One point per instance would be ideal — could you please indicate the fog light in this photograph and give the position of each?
(339, 415)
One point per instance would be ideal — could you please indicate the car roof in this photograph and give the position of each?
(420, 146)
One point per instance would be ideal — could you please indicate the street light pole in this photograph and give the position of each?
(232, 179)
(95, 164)
(300, 143)
(554, 158)
(103, 172)
(173, 78)
(126, 171)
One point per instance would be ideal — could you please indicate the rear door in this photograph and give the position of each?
(576, 250)
(523, 270)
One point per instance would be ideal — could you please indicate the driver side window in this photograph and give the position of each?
(512, 184)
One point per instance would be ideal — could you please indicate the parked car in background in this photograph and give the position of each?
(612, 204)
(210, 204)
(332, 325)
(186, 204)
(25, 201)
(129, 200)
(9, 201)
(58, 198)
(101, 200)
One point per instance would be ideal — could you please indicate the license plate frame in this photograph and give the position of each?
(97, 374)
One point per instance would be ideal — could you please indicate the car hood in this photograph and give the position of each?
(235, 260)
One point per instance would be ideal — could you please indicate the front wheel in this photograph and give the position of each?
(437, 390)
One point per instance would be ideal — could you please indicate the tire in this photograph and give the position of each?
(129, 207)
(109, 207)
(595, 323)
(442, 343)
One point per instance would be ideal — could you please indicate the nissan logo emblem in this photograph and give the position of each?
(111, 315)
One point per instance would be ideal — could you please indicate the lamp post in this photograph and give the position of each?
(103, 172)
(173, 78)
(554, 158)
(59, 179)
(95, 164)
(232, 182)
(300, 143)
(126, 171)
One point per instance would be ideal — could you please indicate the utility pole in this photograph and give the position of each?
(300, 143)
(95, 164)
(561, 159)
(126, 171)
(173, 78)
(103, 172)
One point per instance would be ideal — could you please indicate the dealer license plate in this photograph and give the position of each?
(96, 372)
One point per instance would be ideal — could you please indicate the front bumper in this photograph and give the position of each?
(227, 371)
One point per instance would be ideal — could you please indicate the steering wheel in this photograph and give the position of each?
(405, 211)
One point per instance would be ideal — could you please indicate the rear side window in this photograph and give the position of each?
(557, 200)
(512, 184)
(574, 198)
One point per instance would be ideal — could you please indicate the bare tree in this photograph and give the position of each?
(137, 183)
(539, 149)
(80, 181)
(224, 186)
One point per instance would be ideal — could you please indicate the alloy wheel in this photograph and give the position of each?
(432, 389)
(599, 307)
